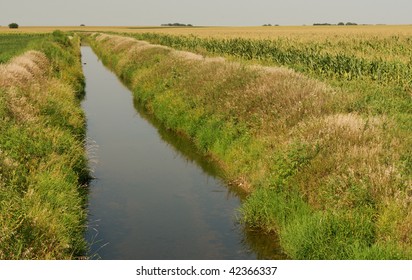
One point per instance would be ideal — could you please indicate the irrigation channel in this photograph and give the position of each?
(154, 196)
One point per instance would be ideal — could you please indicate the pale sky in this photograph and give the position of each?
(202, 12)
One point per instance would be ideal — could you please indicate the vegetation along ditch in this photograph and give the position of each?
(43, 167)
(315, 131)
(325, 167)
(154, 195)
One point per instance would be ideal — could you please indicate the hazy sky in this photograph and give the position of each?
(203, 12)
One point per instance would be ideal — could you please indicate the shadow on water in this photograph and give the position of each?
(186, 149)
(155, 196)
(263, 245)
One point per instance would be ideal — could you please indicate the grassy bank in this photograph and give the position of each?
(332, 178)
(43, 167)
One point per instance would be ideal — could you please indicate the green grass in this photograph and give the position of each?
(327, 163)
(43, 166)
(15, 44)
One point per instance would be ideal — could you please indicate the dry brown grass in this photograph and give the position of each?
(20, 107)
(20, 78)
(22, 69)
(356, 154)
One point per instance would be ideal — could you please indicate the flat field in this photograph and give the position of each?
(254, 32)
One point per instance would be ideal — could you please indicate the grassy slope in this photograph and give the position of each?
(332, 180)
(42, 159)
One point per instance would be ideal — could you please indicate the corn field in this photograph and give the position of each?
(384, 60)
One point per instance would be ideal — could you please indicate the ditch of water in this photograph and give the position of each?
(154, 196)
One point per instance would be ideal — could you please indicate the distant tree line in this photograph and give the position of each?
(340, 23)
(176, 24)
(268, 24)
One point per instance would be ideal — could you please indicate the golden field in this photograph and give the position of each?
(255, 32)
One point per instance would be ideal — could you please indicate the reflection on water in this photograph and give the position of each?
(262, 245)
(154, 196)
(186, 150)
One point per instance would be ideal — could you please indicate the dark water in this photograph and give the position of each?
(154, 197)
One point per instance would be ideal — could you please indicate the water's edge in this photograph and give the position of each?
(155, 196)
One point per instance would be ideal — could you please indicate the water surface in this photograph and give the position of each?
(154, 196)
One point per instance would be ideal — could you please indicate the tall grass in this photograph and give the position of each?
(43, 166)
(325, 166)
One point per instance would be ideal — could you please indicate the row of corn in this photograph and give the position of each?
(310, 58)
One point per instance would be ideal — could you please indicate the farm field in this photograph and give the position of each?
(313, 122)
(251, 32)
(14, 44)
